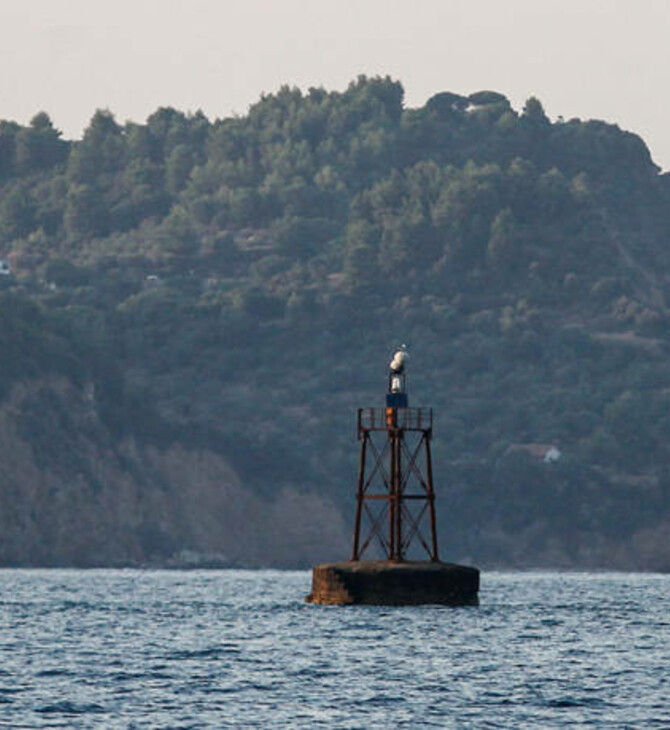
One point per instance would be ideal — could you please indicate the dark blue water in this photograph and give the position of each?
(240, 649)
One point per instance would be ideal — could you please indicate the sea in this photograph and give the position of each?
(241, 649)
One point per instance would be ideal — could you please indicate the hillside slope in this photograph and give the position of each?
(74, 495)
(233, 289)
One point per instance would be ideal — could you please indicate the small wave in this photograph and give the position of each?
(314, 673)
(213, 652)
(139, 676)
(54, 673)
(68, 605)
(381, 700)
(66, 707)
(564, 702)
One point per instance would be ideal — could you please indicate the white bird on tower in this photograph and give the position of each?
(397, 368)
(399, 359)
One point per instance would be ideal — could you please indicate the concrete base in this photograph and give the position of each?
(384, 583)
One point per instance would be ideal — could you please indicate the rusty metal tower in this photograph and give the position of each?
(395, 496)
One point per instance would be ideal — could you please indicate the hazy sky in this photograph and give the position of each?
(593, 59)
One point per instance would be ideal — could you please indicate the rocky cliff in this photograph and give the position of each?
(73, 494)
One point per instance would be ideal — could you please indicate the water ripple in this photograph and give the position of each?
(234, 649)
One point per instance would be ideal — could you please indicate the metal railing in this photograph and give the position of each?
(409, 419)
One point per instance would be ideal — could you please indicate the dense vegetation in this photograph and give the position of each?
(240, 283)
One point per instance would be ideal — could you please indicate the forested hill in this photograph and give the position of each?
(234, 288)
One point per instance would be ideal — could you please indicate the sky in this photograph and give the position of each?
(591, 59)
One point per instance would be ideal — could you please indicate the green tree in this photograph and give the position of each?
(39, 146)
(178, 167)
(85, 211)
(17, 212)
(503, 241)
(8, 132)
(533, 112)
(101, 151)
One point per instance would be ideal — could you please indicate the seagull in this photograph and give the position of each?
(399, 359)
